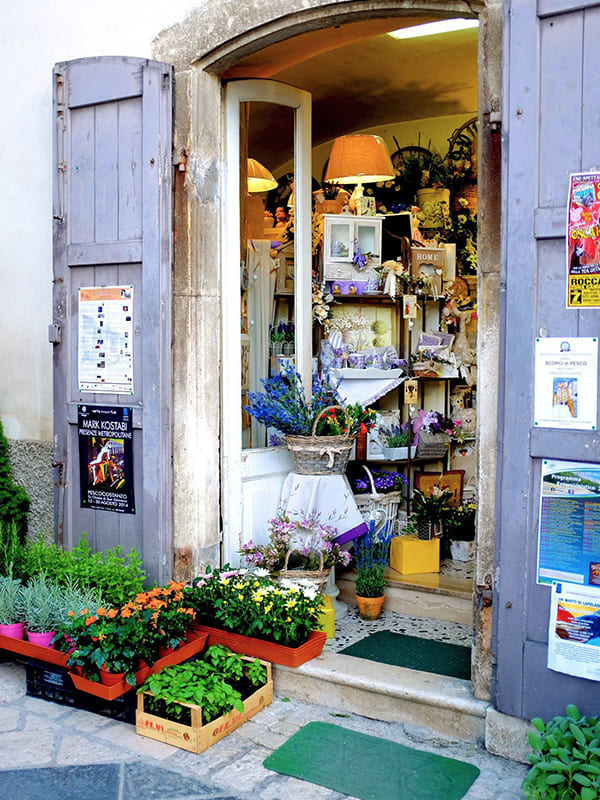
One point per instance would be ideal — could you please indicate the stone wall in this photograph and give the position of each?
(31, 464)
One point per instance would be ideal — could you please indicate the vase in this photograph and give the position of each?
(44, 639)
(435, 206)
(428, 530)
(370, 608)
(461, 550)
(15, 630)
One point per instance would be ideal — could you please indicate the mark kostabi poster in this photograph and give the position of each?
(106, 458)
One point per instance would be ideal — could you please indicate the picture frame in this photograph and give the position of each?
(451, 480)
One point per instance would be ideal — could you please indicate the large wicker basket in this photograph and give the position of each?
(318, 577)
(321, 455)
(385, 505)
(432, 445)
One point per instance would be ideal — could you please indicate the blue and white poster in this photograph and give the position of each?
(569, 528)
(574, 631)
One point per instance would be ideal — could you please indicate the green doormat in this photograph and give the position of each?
(413, 652)
(368, 768)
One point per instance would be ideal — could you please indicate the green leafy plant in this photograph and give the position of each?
(43, 607)
(459, 522)
(11, 549)
(11, 600)
(218, 683)
(565, 759)
(14, 501)
(430, 508)
(252, 604)
(371, 552)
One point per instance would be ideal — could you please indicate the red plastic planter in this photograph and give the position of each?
(196, 642)
(31, 650)
(268, 651)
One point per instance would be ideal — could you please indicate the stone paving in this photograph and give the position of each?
(48, 750)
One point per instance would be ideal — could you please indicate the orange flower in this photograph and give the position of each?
(112, 613)
(83, 612)
(71, 613)
(101, 611)
(90, 621)
(125, 612)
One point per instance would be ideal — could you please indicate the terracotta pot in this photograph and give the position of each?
(370, 607)
(43, 639)
(15, 630)
(110, 678)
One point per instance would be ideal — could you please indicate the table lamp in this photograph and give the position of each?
(359, 158)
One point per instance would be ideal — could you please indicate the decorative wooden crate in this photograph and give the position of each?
(197, 737)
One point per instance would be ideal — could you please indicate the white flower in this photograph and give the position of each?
(260, 572)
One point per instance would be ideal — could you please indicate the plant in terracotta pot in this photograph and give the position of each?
(371, 553)
(11, 607)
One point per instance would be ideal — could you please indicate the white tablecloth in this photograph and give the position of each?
(328, 496)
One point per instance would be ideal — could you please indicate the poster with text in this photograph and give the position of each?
(105, 340)
(569, 529)
(566, 380)
(574, 631)
(583, 241)
(106, 458)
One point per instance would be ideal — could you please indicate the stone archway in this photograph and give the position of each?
(207, 42)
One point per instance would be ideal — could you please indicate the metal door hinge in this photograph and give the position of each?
(54, 333)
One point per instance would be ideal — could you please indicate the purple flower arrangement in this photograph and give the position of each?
(383, 481)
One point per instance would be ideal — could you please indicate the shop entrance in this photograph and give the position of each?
(425, 317)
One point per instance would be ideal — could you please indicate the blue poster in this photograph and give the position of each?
(569, 529)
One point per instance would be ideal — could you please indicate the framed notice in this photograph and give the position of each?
(106, 458)
(566, 379)
(569, 526)
(583, 241)
(105, 340)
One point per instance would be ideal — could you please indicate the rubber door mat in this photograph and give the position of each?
(369, 768)
(413, 652)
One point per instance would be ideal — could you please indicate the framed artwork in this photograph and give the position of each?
(450, 481)
(363, 327)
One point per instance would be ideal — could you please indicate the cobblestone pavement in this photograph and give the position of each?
(48, 750)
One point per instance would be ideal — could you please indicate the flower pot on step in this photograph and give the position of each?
(370, 608)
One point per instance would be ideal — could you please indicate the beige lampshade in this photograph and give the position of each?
(259, 177)
(359, 158)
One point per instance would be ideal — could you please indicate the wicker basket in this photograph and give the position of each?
(432, 445)
(321, 455)
(316, 576)
(384, 505)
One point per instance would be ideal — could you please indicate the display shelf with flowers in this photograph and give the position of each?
(251, 613)
(298, 550)
(319, 431)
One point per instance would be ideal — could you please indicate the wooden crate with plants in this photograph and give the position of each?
(196, 704)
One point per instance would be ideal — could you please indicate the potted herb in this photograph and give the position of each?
(42, 608)
(282, 338)
(11, 607)
(428, 512)
(395, 442)
(371, 553)
(203, 700)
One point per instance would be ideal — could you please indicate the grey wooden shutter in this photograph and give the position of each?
(551, 129)
(112, 226)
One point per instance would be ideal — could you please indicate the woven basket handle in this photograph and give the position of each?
(329, 408)
(289, 552)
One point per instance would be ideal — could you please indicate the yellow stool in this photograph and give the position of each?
(410, 555)
(327, 617)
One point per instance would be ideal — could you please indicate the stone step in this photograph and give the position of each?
(384, 692)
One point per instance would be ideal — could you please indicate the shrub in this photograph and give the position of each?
(566, 758)
(14, 502)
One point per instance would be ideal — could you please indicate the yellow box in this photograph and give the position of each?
(411, 556)
(327, 618)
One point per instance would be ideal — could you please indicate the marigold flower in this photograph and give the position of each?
(90, 621)
(112, 613)
(101, 611)
(125, 613)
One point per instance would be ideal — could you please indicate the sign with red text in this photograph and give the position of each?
(583, 241)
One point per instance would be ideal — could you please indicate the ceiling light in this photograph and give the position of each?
(433, 28)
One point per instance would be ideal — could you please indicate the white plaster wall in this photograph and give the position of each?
(34, 35)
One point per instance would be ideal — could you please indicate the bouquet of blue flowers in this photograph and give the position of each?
(283, 405)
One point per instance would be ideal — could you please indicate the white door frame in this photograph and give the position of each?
(235, 465)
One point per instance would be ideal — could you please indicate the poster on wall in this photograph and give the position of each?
(106, 458)
(583, 241)
(105, 340)
(569, 527)
(574, 631)
(566, 378)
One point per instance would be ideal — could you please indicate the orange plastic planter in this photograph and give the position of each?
(268, 651)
